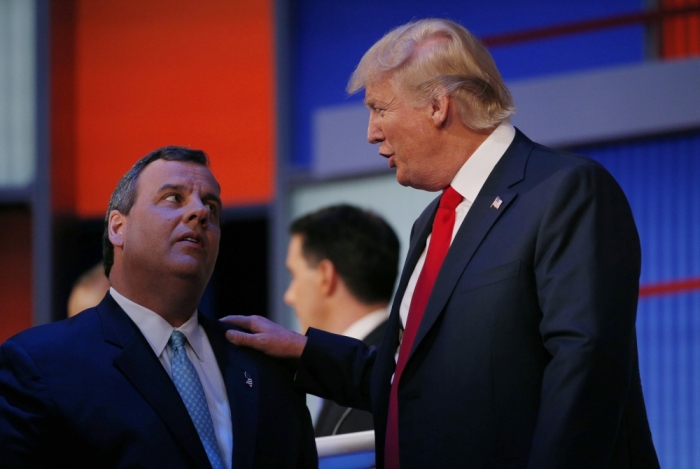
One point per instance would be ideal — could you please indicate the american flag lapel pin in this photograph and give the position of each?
(248, 379)
(496, 203)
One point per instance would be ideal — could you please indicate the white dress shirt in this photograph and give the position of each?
(366, 324)
(157, 332)
(468, 182)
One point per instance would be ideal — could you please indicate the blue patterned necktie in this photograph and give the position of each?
(190, 388)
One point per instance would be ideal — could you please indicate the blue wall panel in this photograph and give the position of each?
(661, 178)
(331, 37)
(668, 328)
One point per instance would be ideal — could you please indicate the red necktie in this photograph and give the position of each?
(441, 237)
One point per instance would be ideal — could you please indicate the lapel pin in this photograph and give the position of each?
(497, 203)
(248, 379)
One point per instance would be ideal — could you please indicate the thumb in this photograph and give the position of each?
(239, 338)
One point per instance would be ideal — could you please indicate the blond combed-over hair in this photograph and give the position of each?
(428, 58)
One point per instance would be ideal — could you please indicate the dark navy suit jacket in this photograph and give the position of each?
(336, 419)
(90, 392)
(526, 355)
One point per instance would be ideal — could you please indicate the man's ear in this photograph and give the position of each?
(116, 228)
(328, 277)
(440, 109)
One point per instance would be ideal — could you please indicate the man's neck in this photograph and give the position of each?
(174, 303)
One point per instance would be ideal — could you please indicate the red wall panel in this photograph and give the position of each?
(150, 73)
(15, 270)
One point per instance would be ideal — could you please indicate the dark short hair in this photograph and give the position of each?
(361, 245)
(124, 196)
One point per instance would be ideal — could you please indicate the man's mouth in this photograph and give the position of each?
(390, 157)
(191, 238)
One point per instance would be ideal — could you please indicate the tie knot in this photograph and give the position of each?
(450, 199)
(177, 340)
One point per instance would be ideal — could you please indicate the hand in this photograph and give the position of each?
(266, 336)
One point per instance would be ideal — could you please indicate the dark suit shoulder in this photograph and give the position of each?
(57, 335)
(280, 369)
(283, 420)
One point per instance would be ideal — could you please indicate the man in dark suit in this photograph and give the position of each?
(515, 311)
(143, 379)
(343, 263)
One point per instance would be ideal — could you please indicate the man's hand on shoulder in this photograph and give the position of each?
(265, 336)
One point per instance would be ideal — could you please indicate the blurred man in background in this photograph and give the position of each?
(343, 262)
(88, 291)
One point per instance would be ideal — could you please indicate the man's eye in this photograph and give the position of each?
(172, 198)
(212, 208)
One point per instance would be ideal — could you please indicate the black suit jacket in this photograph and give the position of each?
(90, 392)
(526, 355)
(336, 419)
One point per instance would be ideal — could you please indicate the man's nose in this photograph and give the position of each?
(374, 130)
(197, 210)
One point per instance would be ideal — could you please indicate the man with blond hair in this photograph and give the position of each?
(511, 341)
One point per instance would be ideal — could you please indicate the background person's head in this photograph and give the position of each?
(343, 261)
(88, 290)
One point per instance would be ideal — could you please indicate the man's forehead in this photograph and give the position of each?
(180, 171)
(162, 173)
(380, 91)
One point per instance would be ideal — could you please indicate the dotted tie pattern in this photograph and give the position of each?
(190, 388)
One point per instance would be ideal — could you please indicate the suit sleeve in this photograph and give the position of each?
(587, 265)
(24, 409)
(337, 368)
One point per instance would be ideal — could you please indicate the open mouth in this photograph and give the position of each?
(191, 238)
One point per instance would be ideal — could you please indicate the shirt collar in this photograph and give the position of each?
(366, 324)
(157, 330)
(473, 174)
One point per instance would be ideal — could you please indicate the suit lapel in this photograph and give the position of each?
(236, 369)
(386, 364)
(481, 217)
(144, 371)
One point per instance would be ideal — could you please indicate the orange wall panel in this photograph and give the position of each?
(151, 73)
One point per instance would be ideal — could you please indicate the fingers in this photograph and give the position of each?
(243, 322)
(265, 336)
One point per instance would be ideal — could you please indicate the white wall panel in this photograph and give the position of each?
(17, 93)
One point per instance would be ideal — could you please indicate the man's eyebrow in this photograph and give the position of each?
(184, 188)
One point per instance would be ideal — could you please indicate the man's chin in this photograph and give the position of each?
(191, 271)
(403, 179)
(406, 182)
